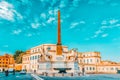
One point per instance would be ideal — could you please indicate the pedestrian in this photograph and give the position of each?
(83, 71)
(13, 71)
(6, 73)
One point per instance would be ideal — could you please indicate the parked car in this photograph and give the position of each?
(23, 72)
(10, 70)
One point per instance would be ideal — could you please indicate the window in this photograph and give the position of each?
(90, 60)
(32, 50)
(38, 50)
(87, 60)
(86, 68)
(84, 60)
(106, 68)
(102, 68)
(97, 60)
(48, 48)
(35, 50)
(83, 55)
(112, 68)
(90, 68)
(35, 57)
(38, 56)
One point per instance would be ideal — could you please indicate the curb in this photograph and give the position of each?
(36, 77)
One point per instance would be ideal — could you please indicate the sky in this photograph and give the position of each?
(89, 25)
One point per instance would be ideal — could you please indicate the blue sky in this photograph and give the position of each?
(89, 25)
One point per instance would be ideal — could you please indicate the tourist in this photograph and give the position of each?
(83, 71)
(6, 72)
(13, 71)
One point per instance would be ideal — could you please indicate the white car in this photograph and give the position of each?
(23, 72)
(10, 70)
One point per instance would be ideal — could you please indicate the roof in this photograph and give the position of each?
(46, 45)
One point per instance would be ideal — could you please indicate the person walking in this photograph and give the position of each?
(6, 73)
(13, 71)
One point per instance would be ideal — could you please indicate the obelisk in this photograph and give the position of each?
(59, 44)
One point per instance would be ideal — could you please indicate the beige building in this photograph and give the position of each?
(43, 58)
(26, 61)
(56, 58)
(92, 63)
(49, 58)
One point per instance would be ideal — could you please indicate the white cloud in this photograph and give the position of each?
(103, 27)
(114, 4)
(113, 21)
(100, 2)
(115, 39)
(50, 19)
(7, 11)
(17, 31)
(3, 52)
(104, 22)
(104, 35)
(35, 25)
(118, 25)
(92, 1)
(73, 25)
(43, 24)
(50, 12)
(43, 15)
(5, 46)
(76, 3)
(55, 11)
(94, 36)
(29, 35)
(87, 39)
(98, 32)
(62, 4)
(82, 22)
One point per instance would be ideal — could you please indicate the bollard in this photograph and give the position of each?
(62, 74)
(53, 74)
(71, 74)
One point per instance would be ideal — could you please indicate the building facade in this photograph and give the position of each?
(92, 63)
(26, 61)
(5, 61)
(56, 58)
(43, 58)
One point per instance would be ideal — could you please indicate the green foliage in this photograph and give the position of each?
(18, 56)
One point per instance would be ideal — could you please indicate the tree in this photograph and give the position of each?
(18, 56)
